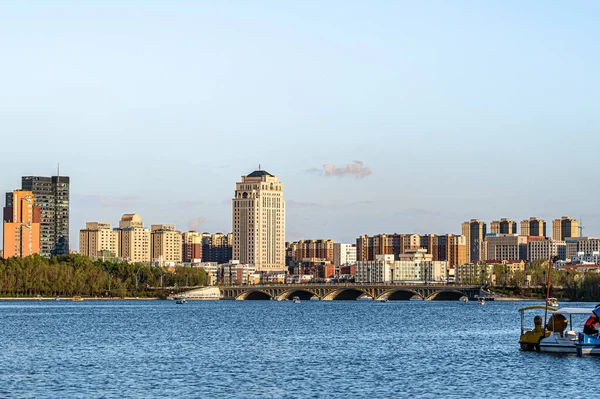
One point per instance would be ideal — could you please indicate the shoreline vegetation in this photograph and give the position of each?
(75, 275)
(78, 276)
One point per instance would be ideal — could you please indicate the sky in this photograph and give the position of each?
(378, 117)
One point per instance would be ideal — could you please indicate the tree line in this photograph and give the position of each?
(77, 275)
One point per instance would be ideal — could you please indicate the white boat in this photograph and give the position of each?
(552, 302)
(315, 298)
(563, 337)
(181, 300)
(481, 301)
(464, 299)
(296, 299)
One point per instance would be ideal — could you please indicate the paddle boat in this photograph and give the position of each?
(296, 299)
(180, 301)
(558, 336)
(481, 300)
(77, 299)
(588, 344)
(562, 338)
(463, 299)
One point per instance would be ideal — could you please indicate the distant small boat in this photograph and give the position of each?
(315, 298)
(57, 298)
(77, 299)
(464, 299)
(481, 301)
(552, 302)
(181, 300)
(384, 300)
(296, 299)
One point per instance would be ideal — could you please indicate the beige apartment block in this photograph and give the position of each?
(134, 239)
(259, 222)
(506, 247)
(167, 244)
(565, 227)
(313, 249)
(533, 227)
(503, 226)
(98, 240)
(577, 246)
(474, 231)
(544, 249)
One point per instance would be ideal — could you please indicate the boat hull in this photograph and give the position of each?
(587, 345)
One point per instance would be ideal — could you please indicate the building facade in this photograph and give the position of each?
(415, 266)
(545, 249)
(580, 246)
(52, 196)
(565, 227)
(533, 227)
(134, 239)
(166, 244)
(474, 231)
(344, 254)
(505, 247)
(191, 250)
(503, 226)
(259, 222)
(98, 240)
(21, 225)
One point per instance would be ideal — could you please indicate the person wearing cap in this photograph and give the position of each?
(591, 325)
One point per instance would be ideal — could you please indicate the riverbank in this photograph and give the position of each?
(79, 300)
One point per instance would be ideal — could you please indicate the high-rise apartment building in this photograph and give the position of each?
(503, 226)
(134, 239)
(192, 247)
(166, 244)
(533, 227)
(344, 254)
(474, 231)
(52, 196)
(565, 227)
(98, 240)
(259, 221)
(217, 247)
(21, 225)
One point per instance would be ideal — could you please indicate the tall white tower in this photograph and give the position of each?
(259, 221)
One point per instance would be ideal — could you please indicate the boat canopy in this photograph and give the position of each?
(550, 308)
(573, 311)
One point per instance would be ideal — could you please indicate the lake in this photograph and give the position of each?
(270, 349)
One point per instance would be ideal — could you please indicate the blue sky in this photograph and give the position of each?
(453, 109)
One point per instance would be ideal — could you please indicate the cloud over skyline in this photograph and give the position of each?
(355, 169)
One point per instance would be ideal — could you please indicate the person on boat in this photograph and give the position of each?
(591, 325)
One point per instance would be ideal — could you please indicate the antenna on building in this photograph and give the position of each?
(259, 168)
(581, 227)
(58, 173)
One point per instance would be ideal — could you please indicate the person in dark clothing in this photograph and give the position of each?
(591, 325)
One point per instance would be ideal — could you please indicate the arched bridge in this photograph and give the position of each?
(350, 291)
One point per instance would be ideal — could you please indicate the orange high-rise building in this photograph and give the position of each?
(21, 225)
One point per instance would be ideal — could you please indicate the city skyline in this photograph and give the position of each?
(410, 117)
(199, 223)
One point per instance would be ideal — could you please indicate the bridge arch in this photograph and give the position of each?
(401, 294)
(446, 295)
(254, 295)
(301, 293)
(346, 294)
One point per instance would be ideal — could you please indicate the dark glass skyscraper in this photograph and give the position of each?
(52, 196)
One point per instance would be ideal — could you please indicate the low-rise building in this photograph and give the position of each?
(414, 266)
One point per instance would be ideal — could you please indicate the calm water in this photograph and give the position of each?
(269, 349)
